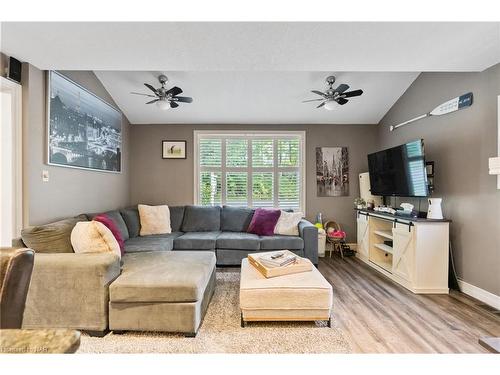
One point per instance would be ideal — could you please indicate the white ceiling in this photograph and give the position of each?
(256, 97)
(272, 46)
(255, 72)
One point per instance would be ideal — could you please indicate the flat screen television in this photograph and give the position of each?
(399, 171)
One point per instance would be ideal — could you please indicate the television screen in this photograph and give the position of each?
(399, 171)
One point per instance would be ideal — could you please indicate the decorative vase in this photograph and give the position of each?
(434, 211)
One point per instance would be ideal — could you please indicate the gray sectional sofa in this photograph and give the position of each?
(164, 282)
(222, 230)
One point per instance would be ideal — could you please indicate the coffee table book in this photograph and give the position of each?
(301, 265)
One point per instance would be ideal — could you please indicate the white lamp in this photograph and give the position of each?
(331, 105)
(163, 104)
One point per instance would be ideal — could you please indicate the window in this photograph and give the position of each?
(264, 169)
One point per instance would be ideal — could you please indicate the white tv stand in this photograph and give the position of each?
(418, 257)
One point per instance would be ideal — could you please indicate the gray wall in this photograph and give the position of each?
(158, 181)
(460, 143)
(4, 64)
(69, 191)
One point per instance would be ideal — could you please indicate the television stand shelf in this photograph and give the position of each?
(411, 251)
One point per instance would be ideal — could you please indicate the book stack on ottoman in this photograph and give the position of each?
(303, 295)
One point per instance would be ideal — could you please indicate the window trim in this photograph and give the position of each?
(301, 134)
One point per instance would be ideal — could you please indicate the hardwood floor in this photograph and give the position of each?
(380, 316)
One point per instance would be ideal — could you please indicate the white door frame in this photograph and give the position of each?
(15, 90)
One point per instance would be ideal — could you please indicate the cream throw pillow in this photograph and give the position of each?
(93, 237)
(154, 219)
(288, 222)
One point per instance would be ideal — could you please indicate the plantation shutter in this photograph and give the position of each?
(289, 191)
(254, 170)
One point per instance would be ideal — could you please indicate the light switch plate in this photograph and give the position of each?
(45, 176)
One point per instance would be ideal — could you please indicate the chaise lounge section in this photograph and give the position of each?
(165, 281)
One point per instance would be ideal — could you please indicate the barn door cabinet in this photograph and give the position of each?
(411, 252)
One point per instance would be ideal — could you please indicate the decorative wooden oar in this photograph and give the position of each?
(451, 105)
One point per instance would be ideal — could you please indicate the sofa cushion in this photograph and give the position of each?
(176, 217)
(111, 225)
(94, 237)
(117, 218)
(201, 219)
(235, 219)
(238, 240)
(163, 277)
(154, 219)
(155, 242)
(288, 223)
(196, 241)
(264, 221)
(51, 238)
(131, 218)
(278, 242)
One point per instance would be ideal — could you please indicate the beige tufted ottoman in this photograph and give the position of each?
(305, 296)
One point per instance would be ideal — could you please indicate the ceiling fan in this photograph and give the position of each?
(164, 98)
(331, 98)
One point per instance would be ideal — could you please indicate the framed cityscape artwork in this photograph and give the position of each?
(83, 130)
(332, 171)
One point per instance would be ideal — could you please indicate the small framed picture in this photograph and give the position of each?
(173, 149)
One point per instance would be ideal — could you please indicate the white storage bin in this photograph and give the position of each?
(321, 242)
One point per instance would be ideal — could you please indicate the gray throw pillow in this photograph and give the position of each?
(235, 219)
(53, 237)
(176, 217)
(201, 219)
(132, 220)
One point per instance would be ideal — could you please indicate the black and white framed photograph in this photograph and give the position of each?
(173, 149)
(332, 171)
(84, 131)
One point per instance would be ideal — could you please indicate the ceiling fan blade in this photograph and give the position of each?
(151, 88)
(318, 92)
(342, 101)
(311, 100)
(350, 94)
(173, 105)
(174, 91)
(322, 104)
(140, 93)
(182, 99)
(153, 101)
(343, 87)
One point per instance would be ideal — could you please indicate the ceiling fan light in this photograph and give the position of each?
(331, 105)
(163, 104)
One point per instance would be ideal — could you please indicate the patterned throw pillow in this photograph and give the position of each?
(111, 225)
(154, 219)
(93, 237)
(288, 223)
(264, 221)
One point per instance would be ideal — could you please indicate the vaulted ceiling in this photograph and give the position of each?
(255, 72)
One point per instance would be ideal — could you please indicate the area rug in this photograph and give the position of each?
(220, 332)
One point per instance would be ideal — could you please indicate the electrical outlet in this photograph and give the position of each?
(45, 176)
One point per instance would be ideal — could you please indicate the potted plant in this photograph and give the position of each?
(359, 203)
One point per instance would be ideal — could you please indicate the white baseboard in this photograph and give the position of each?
(482, 295)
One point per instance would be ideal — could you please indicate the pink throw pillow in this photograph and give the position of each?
(111, 225)
(264, 221)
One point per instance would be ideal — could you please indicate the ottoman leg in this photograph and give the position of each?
(190, 334)
(242, 322)
(329, 324)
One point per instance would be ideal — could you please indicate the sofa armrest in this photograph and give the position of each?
(309, 234)
(70, 290)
